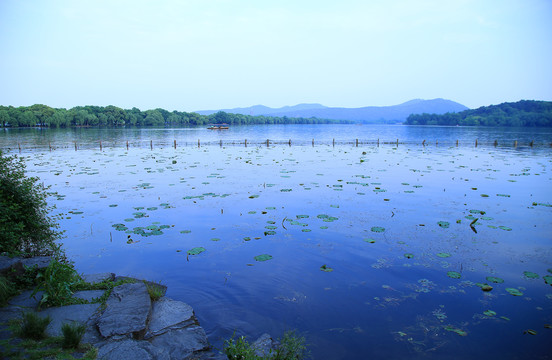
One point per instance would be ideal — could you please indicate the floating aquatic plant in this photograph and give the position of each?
(455, 330)
(371, 241)
(377, 229)
(443, 255)
(196, 251)
(326, 268)
(514, 291)
(408, 255)
(263, 257)
(454, 274)
(547, 279)
(495, 279)
(443, 224)
(489, 313)
(530, 275)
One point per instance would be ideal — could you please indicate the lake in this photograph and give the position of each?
(376, 251)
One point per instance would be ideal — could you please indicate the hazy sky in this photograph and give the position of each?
(210, 54)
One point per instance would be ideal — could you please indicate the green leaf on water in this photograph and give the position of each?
(530, 275)
(323, 227)
(263, 257)
(514, 291)
(455, 330)
(306, 230)
(377, 229)
(185, 231)
(326, 268)
(454, 274)
(443, 255)
(253, 196)
(495, 279)
(302, 216)
(547, 279)
(271, 227)
(247, 238)
(215, 239)
(270, 232)
(489, 313)
(196, 251)
(370, 241)
(506, 228)
(477, 212)
(408, 255)
(113, 205)
(443, 224)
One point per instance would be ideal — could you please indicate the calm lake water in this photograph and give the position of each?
(393, 222)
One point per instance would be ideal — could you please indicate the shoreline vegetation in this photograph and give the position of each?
(524, 113)
(39, 115)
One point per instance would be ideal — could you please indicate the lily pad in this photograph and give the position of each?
(270, 232)
(514, 291)
(454, 274)
(263, 257)
(196, 251)
(530, 275)
(495, 279)
(547, 279)
(506, 228)
(377, 229)
(443, 255)
(455, 330)
(326, 268)
(371, 241)
(489, 313)
(444, 224)
(408, 255)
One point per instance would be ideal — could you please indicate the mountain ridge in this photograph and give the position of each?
(366, 114)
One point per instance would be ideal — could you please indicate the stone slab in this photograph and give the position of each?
(128, 308)
(68, 314)
(182, 343)
(98, 278)
(89, 295)
(169, 314)
(131, 350)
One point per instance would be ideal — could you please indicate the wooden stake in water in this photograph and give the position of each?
(245, 142)
(531, 143)
(151, 144)
(100, 145)
(75, 146)
(333, 142)
(19, 146)
(175, 143)
(220, 143)
(496, 143)
(515, 143)
(356, 142)
(475, 142)
(127, 144)
(198, 144)
(378, 142)
(312, 142)
(397, 142)
(423, 143)
(266, 142)
(289, 142)
(50, 146)
(456, 143)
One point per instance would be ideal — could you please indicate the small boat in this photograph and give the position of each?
(218, 127)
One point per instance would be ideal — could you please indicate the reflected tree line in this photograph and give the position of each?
(43, 115)
(528, 113)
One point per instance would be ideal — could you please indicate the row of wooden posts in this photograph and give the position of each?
(268, 142)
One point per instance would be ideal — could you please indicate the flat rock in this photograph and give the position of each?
(7, 262)
(128, 308)
(183, 343)
(38, 261)
(131, 350)
(167, 314)
(89, 295)
(68, 314)
(98, 278)
(264, 344)
(26, 301)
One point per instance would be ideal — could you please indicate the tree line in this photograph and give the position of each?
(46, 116)
(528, 113)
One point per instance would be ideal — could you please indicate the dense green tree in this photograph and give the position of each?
(522, 113)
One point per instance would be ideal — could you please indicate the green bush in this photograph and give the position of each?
(25, 227)
(239, 349)
(58, 281)
(6, 290)
(72, 335)
(292, 347)
(32, 326)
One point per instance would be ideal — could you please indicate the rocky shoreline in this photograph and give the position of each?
(129, 326)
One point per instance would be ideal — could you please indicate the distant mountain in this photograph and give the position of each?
(368, 114)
